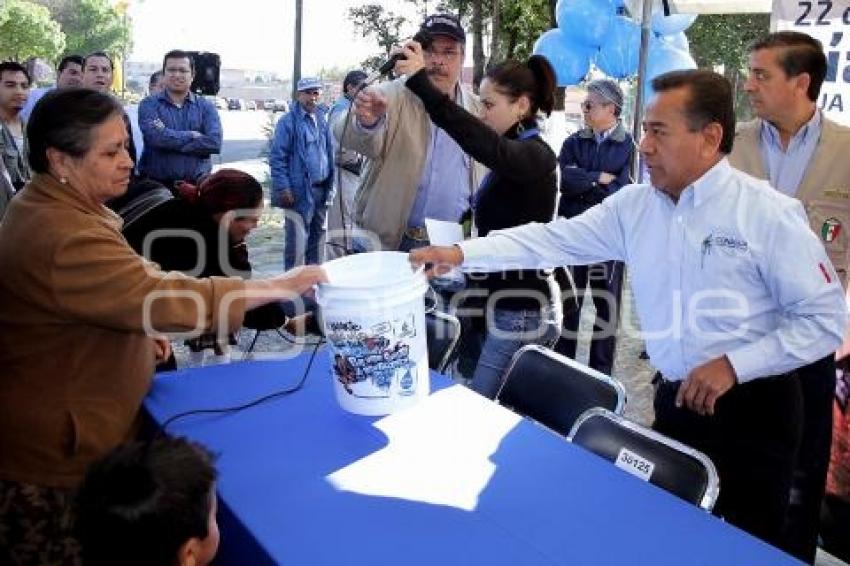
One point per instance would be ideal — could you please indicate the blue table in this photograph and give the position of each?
(455, 480)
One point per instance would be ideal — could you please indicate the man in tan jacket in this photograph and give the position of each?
(414, 170)
(802, 154)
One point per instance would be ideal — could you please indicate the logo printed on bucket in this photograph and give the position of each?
(372, 309)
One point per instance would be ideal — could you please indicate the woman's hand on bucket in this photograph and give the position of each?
(438, 260)
(297, 281)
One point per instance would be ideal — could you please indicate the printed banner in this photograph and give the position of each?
(828, 21)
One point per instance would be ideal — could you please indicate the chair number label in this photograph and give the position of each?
(635, 464)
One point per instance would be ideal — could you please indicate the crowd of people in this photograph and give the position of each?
(734, 248)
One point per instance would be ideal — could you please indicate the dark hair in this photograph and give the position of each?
(709, 100)
(799, 53)
(99, 54)
(223, 191)
(143, 501)
(178, 54)
(14, 67)
(155, 76)
(68, 59)
(64, 119)
(535, 78)
(353, 78)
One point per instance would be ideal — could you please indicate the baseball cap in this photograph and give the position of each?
(309, 83)
(444, 24)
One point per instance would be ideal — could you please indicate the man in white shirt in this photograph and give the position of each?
(732, 288)
(69, 74)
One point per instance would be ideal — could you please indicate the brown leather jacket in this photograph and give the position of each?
(75, 362)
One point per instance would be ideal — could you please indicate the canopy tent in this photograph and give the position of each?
(719, 7)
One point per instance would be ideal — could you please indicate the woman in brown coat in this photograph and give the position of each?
(80, 316)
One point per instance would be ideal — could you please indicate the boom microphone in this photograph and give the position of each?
(424, 39)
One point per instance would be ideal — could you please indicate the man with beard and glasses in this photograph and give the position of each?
(414, 170)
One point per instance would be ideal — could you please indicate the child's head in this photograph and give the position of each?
(149, 503)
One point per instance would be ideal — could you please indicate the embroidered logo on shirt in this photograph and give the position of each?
(830, 229)
(729, 244)
(839, 193)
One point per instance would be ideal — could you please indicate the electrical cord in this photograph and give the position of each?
(236, 408)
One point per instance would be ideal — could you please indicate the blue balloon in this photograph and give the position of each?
(619, 54)
(570, 60)
(672, 24)
(678, 40)
(585, 21)
(664, 58)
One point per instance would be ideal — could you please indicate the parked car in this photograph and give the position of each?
(220, 103)
(250, 105)
(276, 105)
(236, 104)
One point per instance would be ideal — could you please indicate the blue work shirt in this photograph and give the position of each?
(300, 156)
(444, 191)
(316, 158)
(731, 269)
(172, 152)
(785, 168)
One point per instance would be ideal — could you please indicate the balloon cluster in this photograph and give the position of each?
(594, 31)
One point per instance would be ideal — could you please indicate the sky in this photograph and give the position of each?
(255, 34)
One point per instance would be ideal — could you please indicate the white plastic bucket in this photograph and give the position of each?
(373, 314)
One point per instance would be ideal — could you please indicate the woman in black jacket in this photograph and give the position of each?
(523, 307)
(201, 231)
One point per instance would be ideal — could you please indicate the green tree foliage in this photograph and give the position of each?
(91, 25)
(385, 26)
(27, 30)
(722, 39)
(522, 22)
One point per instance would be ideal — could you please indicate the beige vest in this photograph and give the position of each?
(396, 153)
(824, 190)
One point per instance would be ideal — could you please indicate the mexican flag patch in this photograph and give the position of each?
(830, 229)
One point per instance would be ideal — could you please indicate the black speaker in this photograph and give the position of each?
(207, 72)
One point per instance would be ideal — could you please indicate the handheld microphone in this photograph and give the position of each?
(424, 39)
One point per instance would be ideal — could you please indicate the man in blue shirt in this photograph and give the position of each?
(181, 129)
(301, 162)
(733, 290)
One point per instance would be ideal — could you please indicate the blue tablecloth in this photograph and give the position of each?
(544, 500)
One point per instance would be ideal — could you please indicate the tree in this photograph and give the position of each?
(722, 39)
(372, 20)
(91, 25)
(27, 30)
(522, 22)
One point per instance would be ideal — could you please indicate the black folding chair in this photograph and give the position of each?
(683, 471)
(443, 334)
(554, 390)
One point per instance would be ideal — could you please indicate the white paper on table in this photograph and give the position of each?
(443, 233)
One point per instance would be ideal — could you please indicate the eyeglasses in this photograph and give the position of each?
(448, 54)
